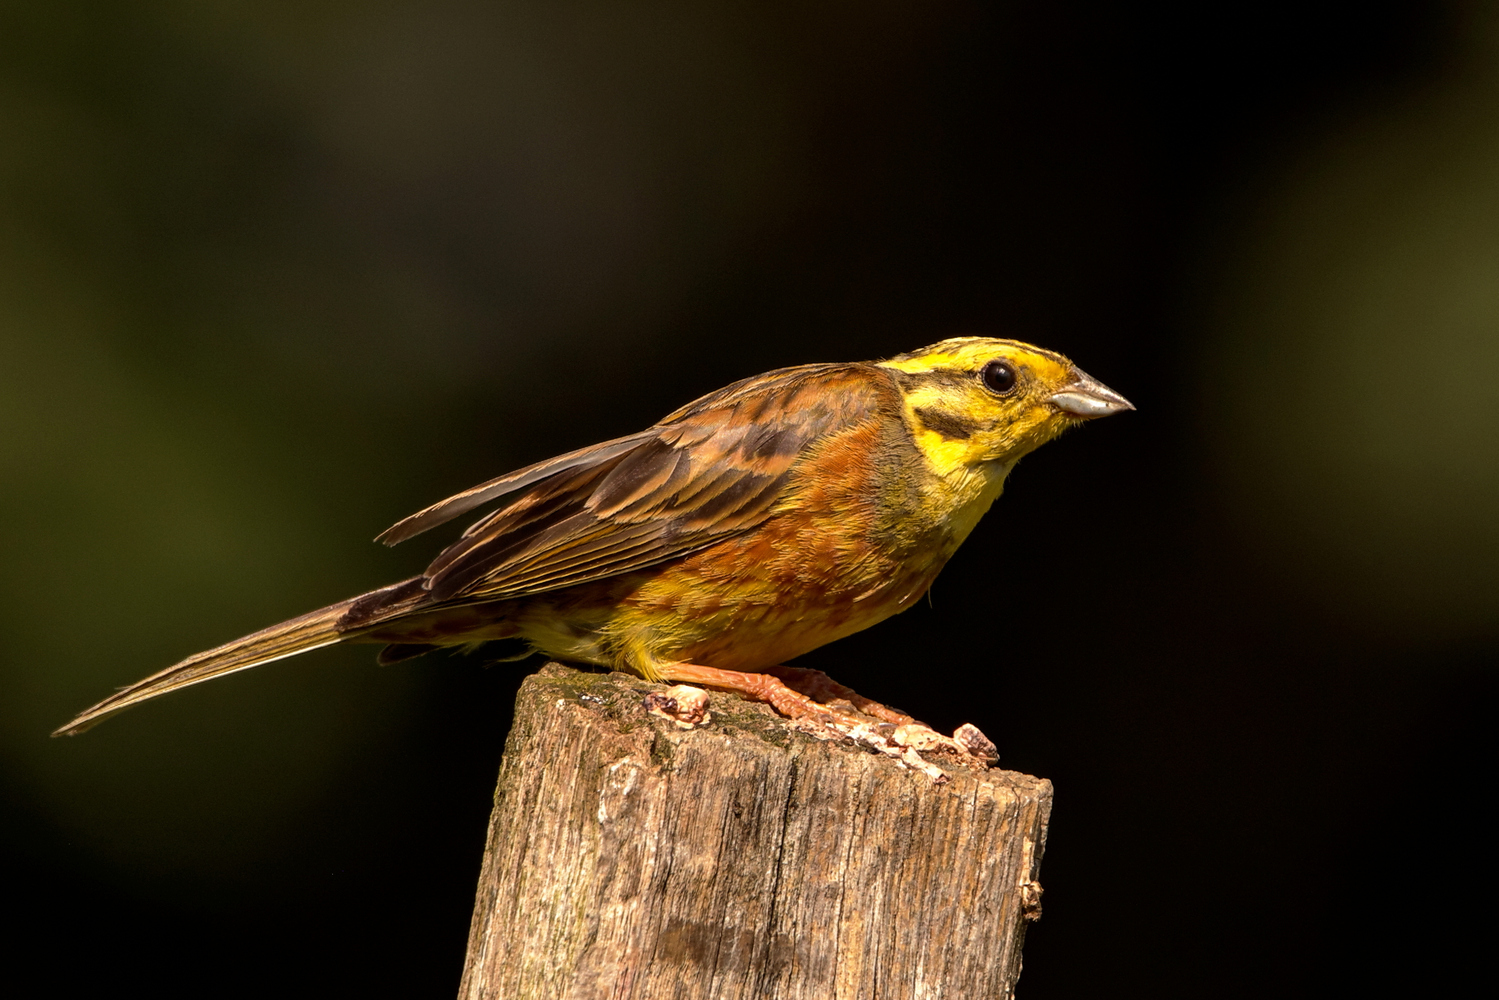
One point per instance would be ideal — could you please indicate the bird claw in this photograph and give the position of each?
(805, 703)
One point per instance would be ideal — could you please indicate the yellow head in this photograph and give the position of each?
(976, 400)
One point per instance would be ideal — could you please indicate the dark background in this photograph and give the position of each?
(272, 278)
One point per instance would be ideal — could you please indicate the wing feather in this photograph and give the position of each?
(462, 503)
(709, 471)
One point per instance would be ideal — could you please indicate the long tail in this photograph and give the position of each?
(309, 631)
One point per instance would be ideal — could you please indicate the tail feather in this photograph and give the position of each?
(310, 631)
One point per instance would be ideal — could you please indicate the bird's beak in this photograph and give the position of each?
(1087, 397)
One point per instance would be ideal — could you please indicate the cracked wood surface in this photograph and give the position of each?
(633, 859)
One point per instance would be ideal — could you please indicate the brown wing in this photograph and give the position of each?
(711, 470)
(462, 503)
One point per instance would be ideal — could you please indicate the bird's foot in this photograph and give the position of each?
(821, 688)
(967, 741)
(806, 704)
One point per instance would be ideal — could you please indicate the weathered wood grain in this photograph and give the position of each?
(628, 858)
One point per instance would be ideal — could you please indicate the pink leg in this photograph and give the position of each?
(908, 735)
(820, 687)
(761, 687)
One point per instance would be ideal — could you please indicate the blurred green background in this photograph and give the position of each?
(273, 276)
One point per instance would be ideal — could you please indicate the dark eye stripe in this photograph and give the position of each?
(949, 425)
(946, 378)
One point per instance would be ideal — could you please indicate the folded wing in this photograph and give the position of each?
(711, 470)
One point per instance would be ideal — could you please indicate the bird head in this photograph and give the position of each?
(976, 400)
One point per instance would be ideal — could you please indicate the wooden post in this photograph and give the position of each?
(629, 857)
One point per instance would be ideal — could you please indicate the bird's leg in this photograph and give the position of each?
(897, 734)
(901, 740)
(756, 687)
(820, 687)
(968, 740)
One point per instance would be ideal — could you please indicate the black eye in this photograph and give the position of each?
(998, 377)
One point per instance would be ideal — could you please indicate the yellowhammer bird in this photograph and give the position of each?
(751, 526)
